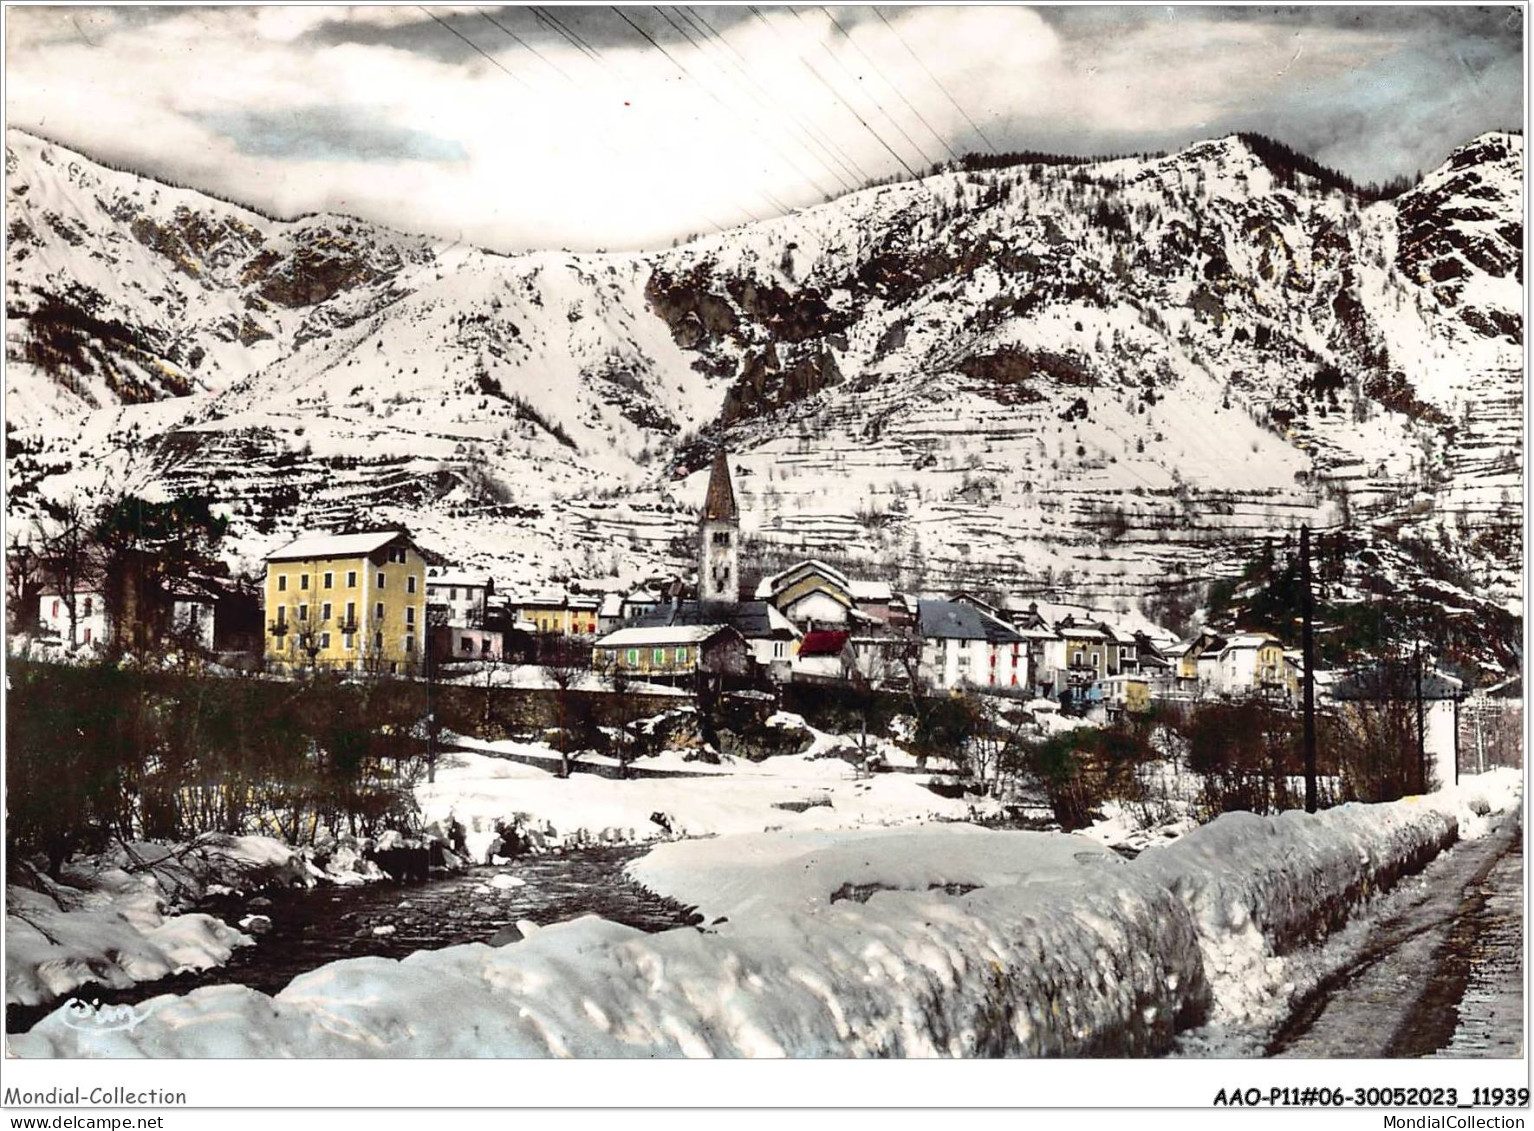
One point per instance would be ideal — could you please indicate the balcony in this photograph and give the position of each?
(277, 627)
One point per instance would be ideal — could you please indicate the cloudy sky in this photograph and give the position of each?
(521, 127)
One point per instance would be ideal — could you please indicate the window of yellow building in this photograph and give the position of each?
(303, 581)
(659, 656)
(330, 580)
(381, 579)
(325, 611)
(351, 579)
(633, 657)
(681, 655)
(282, 583)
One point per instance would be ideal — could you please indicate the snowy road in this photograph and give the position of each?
(1442, 976)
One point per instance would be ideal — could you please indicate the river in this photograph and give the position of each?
(313, 926)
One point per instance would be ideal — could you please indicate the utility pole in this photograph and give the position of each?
(1308, 644)
(1421, 730)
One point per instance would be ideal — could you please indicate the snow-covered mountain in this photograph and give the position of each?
(1100, 377)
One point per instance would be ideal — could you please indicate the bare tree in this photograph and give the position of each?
(70, 558)
(23, 577)
(566, 661)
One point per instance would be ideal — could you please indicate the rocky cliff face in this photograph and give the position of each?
(1112, 375)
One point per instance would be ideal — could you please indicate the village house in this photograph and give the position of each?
(557, 613)
(1385, 686)
(1086, 649)
(581, 614)
(610, 613)
(771, 638)
(1128, 693)
(83, 624)
(454, 642)
(1196, 660)
(963, 646)
(204, 614)
(458, 597)
(349, 602)
(1253, 663)
(814, 594)
(544, 611)
(638, 603)
(671, 652)
(825, 656)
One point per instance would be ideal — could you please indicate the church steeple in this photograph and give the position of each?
(719, 503)
(719, 537)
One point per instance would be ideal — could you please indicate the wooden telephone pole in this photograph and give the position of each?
(1308, 644)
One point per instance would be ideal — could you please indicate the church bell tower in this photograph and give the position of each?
(719, 537)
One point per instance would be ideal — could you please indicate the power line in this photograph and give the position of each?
(494, 62)
(935, 80)
(834, 152)
(755, 11)
(570, 37)
(651, 40)
(575, 40)
(546, 60)
(761, 132)
(856, 81)
(898, 92)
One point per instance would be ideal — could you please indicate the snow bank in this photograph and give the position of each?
(115, 932)
(1067, 951)
(112, 920)
(1477, 797)
(1259, 887)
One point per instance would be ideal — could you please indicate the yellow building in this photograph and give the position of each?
(348, 602)
(556, 614)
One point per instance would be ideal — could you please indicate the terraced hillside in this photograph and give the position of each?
(1111, 377)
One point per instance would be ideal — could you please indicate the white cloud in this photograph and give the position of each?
(628, 150)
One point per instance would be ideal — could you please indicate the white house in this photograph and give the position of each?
(964, 646)
(90, 616)
(610, 613)
(1250, 663)
(459, 595)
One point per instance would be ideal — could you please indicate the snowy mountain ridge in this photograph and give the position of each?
(1105, 377)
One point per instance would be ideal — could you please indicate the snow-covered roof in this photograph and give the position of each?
(661, 634)
(612, 605)
(334, 546)
(1248, 640)
(868, 590)
(954, 620)
(770, 585)
(458, 577)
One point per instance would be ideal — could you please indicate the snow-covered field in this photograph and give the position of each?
(480, 790)
(939, 940)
